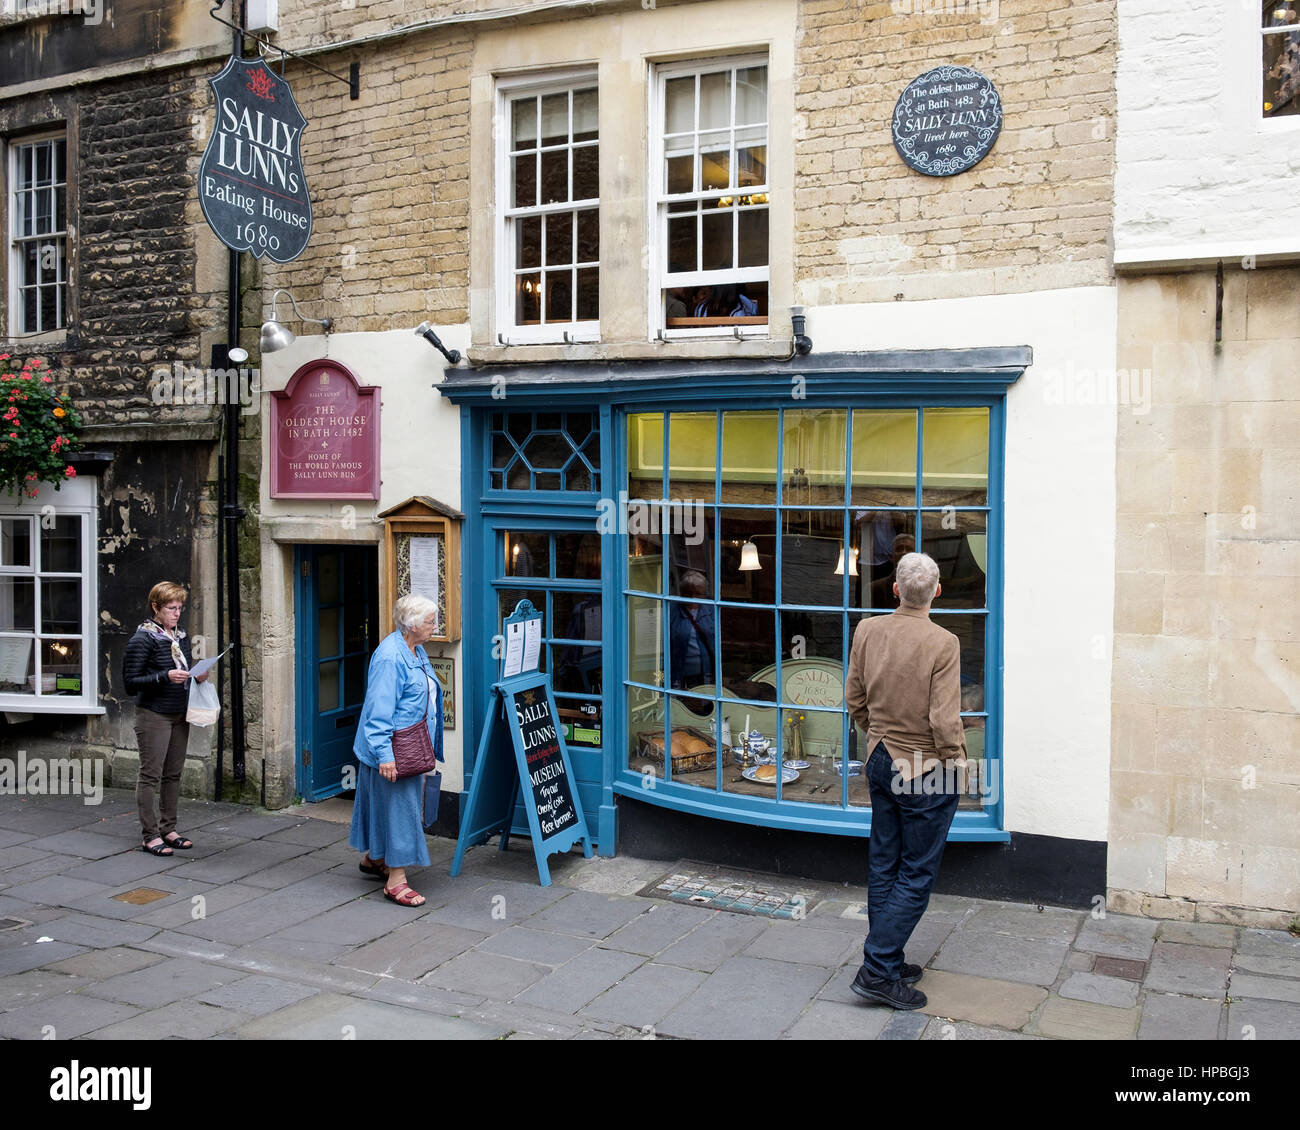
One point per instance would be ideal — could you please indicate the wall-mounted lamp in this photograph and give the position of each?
(749, 557)
(853, 563)
(237, 356)
(275, 336)
(798, 323)
(426, 331)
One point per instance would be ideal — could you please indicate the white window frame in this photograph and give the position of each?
(1264, 32)
(658, 200)
(507, 89)
(14, 241)
(76, 498)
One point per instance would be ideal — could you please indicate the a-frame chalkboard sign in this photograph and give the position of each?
(521, 720)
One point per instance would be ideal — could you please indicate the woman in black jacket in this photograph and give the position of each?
(157, 671)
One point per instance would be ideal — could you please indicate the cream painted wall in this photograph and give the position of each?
(1200, 173)
(420, 454)
(1060, 531)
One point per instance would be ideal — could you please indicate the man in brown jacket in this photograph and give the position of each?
(904, 689)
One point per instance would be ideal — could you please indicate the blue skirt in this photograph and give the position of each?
(386, 819)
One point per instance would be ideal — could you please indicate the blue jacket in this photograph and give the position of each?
(395, 695)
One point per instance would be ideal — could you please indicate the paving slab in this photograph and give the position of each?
(941, 1029)
(236, 862)
(101, 964)
(182, 909)
(38, 818)
(313, 833)
(901, 1025)
(83, 845)
(1169, 1017)
(1264, 988)
(587, 915)
(1084, 962)
(1271, 966)
(1198, 933)
(1066, 1019)
(1123, 967)
(278, 948)
(495, 906)
(290, 871)
(427, 998)
(33, 954)
(1118, 935)
(646, 995)
(709, 946)
(57, 891)
(1043, 924)
(1001, 957)
(929, 937)
(181, 1020)
(411, 951)
(829, 1020)
(256, 995)
(783, 941)
(19, 855)
(746, 998)
(581, 980)
(1263, 1020)
(1099, 989)
(354, 923)
(486, 975)
(1193, 971)
(249, 825)
(1265, 943)
(63, 1017)
(176, 979)
(659, 926)
(43, 866)
(98, 933)
(980, 1000)
(8, 839)
(125, 867)
(24, 988)
(328, 1016)
(540, 946)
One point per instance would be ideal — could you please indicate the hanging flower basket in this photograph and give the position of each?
(39, 427)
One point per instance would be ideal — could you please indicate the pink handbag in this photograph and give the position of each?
(412, 747)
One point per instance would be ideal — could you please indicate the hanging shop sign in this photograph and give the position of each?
(252, 186)
(947, 120)
(325, 435)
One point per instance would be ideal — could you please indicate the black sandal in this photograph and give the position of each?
(160, 848)
(179, 842)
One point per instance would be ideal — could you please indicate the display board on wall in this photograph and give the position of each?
(325, 435)
(422, 556)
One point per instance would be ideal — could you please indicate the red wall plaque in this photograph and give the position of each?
(325, 435)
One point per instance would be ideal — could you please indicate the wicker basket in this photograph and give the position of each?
(650, 747)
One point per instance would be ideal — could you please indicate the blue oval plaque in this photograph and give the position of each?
(947, 120)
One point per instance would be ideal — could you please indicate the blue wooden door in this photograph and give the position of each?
(336, 632)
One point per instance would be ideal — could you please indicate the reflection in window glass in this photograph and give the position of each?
(16, 542)
(645, 640)
(813, 453)
(883, 538)
(956, 458)
(692, 451)
(748, 539)
(884, 457)
(749, 442)
(1281, 35)
(956, 539)
(645, 454)
(812, 547)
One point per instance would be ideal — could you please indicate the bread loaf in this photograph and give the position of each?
(765, 773)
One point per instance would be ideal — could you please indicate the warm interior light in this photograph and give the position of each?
(749, 557)
(61, 648)
(853, 563)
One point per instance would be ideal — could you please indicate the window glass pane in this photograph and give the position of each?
(647, 723)
(969, 629)
(692, 636)
(528, 242)
(559, 296)
(884, 457)
(559, 237)
(525, 180)
(1280, 13)
(327, 687)
(749, 457)
(812, 546)
(49, 316)
(679, 104)
(747, 643)
(586, 173)
(753, 237)
(588, 236)
(508, 599)
(327, 578)
(814, 454)
(42, 153)
(812, 660)
(955, 465)
(327, 632)
(579, 718)
(715, 100)
(16, 542)
(354, 679)
(355, 627)
(15, 660)
(645, 642)
(692, 449)
(882, 537)
(717, 251)
(645, 454)
(956, 539)
(585, 115)
(17, 607)
(751, 165)
(1282, 68)
(644, 547)
(555, 119)
(528, 299)
(751, 95)
(61, 667)
(577, 556)
(588, 308)
(524, 111)
(527, 553)
(683, 253)
(61, 606)
(715, 162)
(681, 173)
(61, 546)
(741, 529)
(555, 176)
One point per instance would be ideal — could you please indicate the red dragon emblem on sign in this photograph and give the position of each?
(262, 85)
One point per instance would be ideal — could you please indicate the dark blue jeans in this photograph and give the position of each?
(909, 827)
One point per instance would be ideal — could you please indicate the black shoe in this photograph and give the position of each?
(893, 993)
(910, 974)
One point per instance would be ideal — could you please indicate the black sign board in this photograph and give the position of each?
(252, 186)
(521, 719)
(947, 120)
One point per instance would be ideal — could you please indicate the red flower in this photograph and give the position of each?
(13, 435)
(70, 472)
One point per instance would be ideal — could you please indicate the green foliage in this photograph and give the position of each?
(39, 427)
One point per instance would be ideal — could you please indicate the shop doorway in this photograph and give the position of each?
(337, 624)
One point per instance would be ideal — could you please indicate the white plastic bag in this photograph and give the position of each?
(205, 703)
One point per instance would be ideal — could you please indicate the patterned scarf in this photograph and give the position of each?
(157, 631)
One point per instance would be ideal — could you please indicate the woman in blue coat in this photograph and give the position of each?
(387, 825)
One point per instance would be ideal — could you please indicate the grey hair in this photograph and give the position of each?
(412, 610)
(917, 576)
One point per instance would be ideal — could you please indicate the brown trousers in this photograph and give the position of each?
(162, 739)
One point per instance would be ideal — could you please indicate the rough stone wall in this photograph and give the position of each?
(1034, 214)
(389, 181)
(1205, 780)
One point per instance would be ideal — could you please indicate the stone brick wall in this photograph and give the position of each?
(1205, 781)
(1034, 214)
(389, 180)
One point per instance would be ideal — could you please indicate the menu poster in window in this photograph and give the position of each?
(15, 657)
(325, 435)
(424, 569)
(514, 661)
(532, 643)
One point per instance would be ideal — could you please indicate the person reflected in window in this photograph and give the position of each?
(690, 634)
(882, 589)
(704, 303)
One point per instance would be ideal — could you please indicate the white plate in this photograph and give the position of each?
(787, 775)
(855, 768)
(796, 764)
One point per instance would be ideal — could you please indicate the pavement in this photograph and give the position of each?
(266, 930)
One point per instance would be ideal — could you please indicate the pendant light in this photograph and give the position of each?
(749, 557)
(853, 563)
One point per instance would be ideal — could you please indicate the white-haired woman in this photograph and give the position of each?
(387, 825)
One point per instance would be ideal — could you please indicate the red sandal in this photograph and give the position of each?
(374, 870)
(403, 895)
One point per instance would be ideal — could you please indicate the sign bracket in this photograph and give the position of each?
(353, 81)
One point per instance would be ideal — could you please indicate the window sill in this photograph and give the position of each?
(38, 342)
(19, 704)
(689, 346)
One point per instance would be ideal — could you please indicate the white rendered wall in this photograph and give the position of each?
(1059, 508)
(1200, 173)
